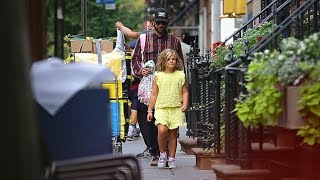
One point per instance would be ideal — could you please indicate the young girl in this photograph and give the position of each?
(169, 97)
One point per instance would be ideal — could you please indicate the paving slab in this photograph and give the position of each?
(185, 170)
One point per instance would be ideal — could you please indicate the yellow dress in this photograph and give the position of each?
(168, 104)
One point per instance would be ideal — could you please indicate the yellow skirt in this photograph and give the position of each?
(172, 117)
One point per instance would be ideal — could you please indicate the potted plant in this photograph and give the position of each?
(271, 74)
(240, 45)
(262, 104)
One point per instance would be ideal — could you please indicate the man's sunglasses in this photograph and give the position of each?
(161, 22)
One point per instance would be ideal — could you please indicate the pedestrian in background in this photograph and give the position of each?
(134, 130)
(169, 98)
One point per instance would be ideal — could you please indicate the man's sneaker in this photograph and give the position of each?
(154, 160)
(145, 153)
(162, 162)
(172, 164)
(133, 138)
(136, 132)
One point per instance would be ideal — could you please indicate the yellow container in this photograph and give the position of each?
(118, 121)
(113, 89)
(241, 7)
(228, 7)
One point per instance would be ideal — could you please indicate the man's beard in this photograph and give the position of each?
(160, 30)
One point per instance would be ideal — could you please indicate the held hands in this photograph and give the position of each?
(184, 108)
(145, 71)
(149, 116)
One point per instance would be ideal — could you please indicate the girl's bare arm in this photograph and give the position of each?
(153, 99)
(185, 98)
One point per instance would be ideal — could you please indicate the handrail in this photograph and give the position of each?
(302, 9)
(285, 23)
(257, 16)
(277, 10)
(235, 63)
(250, 21)
(218, 70)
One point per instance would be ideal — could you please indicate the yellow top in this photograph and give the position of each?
(170, 89)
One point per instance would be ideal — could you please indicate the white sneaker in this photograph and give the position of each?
(172, 164)
(130, 130)
(135, 132)
(162, 162)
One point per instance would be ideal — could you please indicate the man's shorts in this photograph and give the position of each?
(172, 117)
(133, 97)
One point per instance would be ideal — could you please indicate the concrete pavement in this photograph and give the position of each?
(185, 170)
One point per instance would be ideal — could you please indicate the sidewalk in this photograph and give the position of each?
(185, 170)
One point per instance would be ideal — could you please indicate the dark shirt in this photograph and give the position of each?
(154, 45)
(135, 83)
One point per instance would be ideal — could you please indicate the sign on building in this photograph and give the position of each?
(108, 4)
(105, 1)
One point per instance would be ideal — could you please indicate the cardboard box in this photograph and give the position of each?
(105, 45)
(81, 46)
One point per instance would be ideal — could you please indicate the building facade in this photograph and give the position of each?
(195, 17)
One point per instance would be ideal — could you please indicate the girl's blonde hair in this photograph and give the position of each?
(164, 56)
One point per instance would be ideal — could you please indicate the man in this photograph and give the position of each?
(155, 42)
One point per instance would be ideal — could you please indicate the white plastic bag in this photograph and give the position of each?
(145, 86)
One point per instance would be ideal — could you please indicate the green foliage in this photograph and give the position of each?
(298, 58)
(219, 61)
(261, 104)
(240, 45)
(302, 68)
(310, 135)
(297, 63)
(100, 22)
(309, 108)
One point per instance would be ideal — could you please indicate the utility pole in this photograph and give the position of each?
(84, 17)
(216, 23)
(59, 29)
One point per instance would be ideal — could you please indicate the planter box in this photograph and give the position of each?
(205, 159)
(187, 144)
(290, 118)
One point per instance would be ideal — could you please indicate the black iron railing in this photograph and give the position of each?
(212, 94)
(199, 116)
(303, 21)
(275, 12)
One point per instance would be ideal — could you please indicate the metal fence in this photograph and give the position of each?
(211, 118)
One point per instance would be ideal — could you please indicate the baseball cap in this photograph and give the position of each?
(161, 14)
